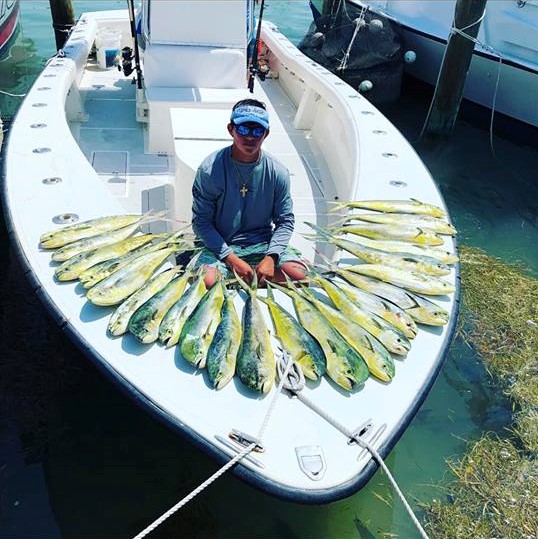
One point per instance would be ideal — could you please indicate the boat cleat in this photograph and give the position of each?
(245, 440)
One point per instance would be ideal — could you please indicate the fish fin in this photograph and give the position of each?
(241, 282)
(323, 233)
(270, 295)
(332, 346)
(192, 261)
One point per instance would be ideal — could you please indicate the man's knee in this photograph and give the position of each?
(294, 270)
(210, 276)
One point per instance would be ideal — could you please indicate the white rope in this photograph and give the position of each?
(461, 32)
(242, 454)
(358, 25)
(11, 95)
(295, 383)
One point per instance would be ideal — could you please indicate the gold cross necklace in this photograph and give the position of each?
(244, 182)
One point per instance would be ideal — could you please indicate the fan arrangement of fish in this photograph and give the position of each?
(349, 318)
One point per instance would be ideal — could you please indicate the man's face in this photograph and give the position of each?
(248, 143)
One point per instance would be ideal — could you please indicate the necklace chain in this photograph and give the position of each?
(244, 188)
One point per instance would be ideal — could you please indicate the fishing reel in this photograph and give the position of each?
(126, 61)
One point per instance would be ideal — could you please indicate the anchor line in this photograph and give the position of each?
(294, 384)
(241, 455)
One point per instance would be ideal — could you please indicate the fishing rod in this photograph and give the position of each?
(254, 66)
(139, 76)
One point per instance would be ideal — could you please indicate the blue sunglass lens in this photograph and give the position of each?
(245, 131)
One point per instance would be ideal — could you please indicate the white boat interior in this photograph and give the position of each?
(504, 69)
(87, 142)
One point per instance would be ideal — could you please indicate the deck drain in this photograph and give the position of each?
(41, 150)
(43, 88)
(379, 132)
(53, 180)
(64, 218)
(37, 105)
(38, 126)
(389, 154)
(398, 183)
(367, 112)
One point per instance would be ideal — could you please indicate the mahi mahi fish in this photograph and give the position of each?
(97, 273)
(124, 282)
(145, 322)
(404, 261)
(377, 357)
(199, 329)
(414, 282)
(68, 234)
(175, 318)
(411, 234)
(394, 206)
(392, 338)
(72, 268)
(404, 248)
(256, 365)
(424, 222)
(119, 320)
(420, 309)
(222, 353)
(297, 342)
(344, 365)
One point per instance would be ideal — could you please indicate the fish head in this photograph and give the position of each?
(341, 372)
(396, 343)
(429, 317)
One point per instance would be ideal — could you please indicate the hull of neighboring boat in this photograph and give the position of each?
(509, 86)
(50, 174)
(9, 17)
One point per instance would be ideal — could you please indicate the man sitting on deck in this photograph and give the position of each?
(242, 208)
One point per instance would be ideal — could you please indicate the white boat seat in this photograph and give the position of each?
(197, 132)
(161, 100)
(204, 67)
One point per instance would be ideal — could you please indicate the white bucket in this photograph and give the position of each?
(108, 48)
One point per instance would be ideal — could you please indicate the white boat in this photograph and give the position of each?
(87, 142)
(508, 31)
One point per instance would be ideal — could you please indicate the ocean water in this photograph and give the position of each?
(79, 459)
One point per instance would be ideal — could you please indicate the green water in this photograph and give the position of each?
(79, 459)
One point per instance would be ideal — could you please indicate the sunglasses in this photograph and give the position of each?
(245, 131)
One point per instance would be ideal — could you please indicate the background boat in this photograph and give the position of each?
(9, 17)
(504, 69)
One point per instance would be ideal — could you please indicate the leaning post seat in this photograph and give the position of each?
(195, 56)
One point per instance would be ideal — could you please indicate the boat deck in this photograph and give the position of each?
(115, 144)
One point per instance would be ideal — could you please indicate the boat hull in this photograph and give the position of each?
(368, 159)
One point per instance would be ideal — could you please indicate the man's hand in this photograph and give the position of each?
(240, 267)
(265, 270)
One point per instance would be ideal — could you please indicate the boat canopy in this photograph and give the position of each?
(196, 43)
(205, 23)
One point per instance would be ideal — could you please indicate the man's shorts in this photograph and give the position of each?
(251, 254)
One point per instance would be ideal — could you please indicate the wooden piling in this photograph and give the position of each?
(449, 89)
(63, 18)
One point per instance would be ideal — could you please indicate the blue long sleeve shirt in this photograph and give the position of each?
(222, 216)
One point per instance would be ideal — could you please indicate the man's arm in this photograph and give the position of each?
(283, 217)
(204, 201)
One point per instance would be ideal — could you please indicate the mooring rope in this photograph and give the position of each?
(242, 454)
(489, 48)
(294, 384)
(358, 25)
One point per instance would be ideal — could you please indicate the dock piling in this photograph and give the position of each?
(448, 93)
